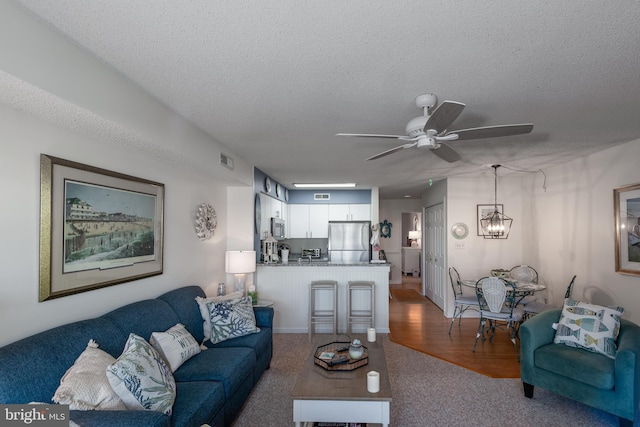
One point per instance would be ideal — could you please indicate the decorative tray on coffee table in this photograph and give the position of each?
(327, 356)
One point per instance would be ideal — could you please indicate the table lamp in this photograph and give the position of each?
(239, 263)
(415, 237)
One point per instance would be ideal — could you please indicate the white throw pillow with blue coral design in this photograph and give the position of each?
(588, 326)
(141, 377)
(204, 311)
(231, 319)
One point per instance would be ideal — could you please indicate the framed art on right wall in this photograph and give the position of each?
(626, 204)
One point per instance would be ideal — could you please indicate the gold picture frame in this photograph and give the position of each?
(98, 228)
(626, 205)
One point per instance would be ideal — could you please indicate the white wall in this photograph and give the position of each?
(56, 99)
(480, 255)
(564, 230)
(574, 229)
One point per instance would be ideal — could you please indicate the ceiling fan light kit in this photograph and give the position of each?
(430, 131)
(496, 225)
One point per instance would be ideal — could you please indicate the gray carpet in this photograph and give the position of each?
(426, 392)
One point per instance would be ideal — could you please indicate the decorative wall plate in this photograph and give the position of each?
(267, 184)
(286, 195)
(278, 190)
(459, 230)
(206, 221)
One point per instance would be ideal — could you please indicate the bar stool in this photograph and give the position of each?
(323, 315)
(358, 312)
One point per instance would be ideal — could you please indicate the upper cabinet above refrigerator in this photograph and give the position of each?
(349, 212)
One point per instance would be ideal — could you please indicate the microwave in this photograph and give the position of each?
(277, 228)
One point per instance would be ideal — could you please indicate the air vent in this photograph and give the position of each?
(321, 196)
(226, 161)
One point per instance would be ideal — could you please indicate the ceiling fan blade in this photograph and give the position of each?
(446, 153)
(391, 151)
(371, 135)
(491, 131)
(442, 117)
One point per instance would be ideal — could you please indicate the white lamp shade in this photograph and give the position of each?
(414, 235)
(239, 262)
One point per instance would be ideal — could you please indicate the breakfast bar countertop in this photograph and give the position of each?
(324, 264)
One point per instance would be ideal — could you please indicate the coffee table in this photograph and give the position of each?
(341, 396)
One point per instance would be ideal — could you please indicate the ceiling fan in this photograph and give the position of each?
(431, 130)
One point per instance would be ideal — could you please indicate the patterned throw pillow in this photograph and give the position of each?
(176, 345)
(204, 311)
(141, 377)
(85, 386)
(592, 327)
(231, 319)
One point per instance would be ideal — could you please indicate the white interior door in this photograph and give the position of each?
(434, 277)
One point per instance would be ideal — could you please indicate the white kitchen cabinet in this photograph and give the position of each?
(411, 260)
(319, 221)
(269, 208)
(276, 208)
(308, 221)
(350, 212)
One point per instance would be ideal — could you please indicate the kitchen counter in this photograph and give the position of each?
(324, 264)
(287, 285)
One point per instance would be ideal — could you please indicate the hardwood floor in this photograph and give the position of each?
(424, 327)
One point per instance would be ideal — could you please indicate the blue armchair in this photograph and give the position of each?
(612, 385)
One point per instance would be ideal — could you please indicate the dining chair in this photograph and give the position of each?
(524, 273)
(461, 302)
(532, 308)
(497, 302)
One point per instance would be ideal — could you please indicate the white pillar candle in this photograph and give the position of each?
(373, 382)
(371, 335)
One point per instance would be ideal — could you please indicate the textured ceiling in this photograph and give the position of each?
(276, 80)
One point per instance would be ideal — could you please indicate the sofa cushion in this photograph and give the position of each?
(204, 310)
(182, 301)
(230, 366)
(120, 418)
(592, 327)
(143, 318)
(231, 319)
(578, 364)
(85, 385)
(141, 377)
(260, 342)
(197, 403)
(59, 347)
(176, 345)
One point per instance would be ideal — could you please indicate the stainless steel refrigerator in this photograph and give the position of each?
(349, 242)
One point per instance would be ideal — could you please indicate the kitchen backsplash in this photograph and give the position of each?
(297, 245)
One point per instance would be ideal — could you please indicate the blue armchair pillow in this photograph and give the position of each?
(588, 326)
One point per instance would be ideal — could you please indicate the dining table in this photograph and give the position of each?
(522, 288)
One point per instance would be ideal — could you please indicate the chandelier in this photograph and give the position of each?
(495, 225)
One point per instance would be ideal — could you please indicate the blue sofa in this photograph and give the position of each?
(612, 385)
(211, 387)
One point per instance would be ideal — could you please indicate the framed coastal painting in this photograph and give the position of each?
(626, 204)
(98, 228)
(484, 210)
